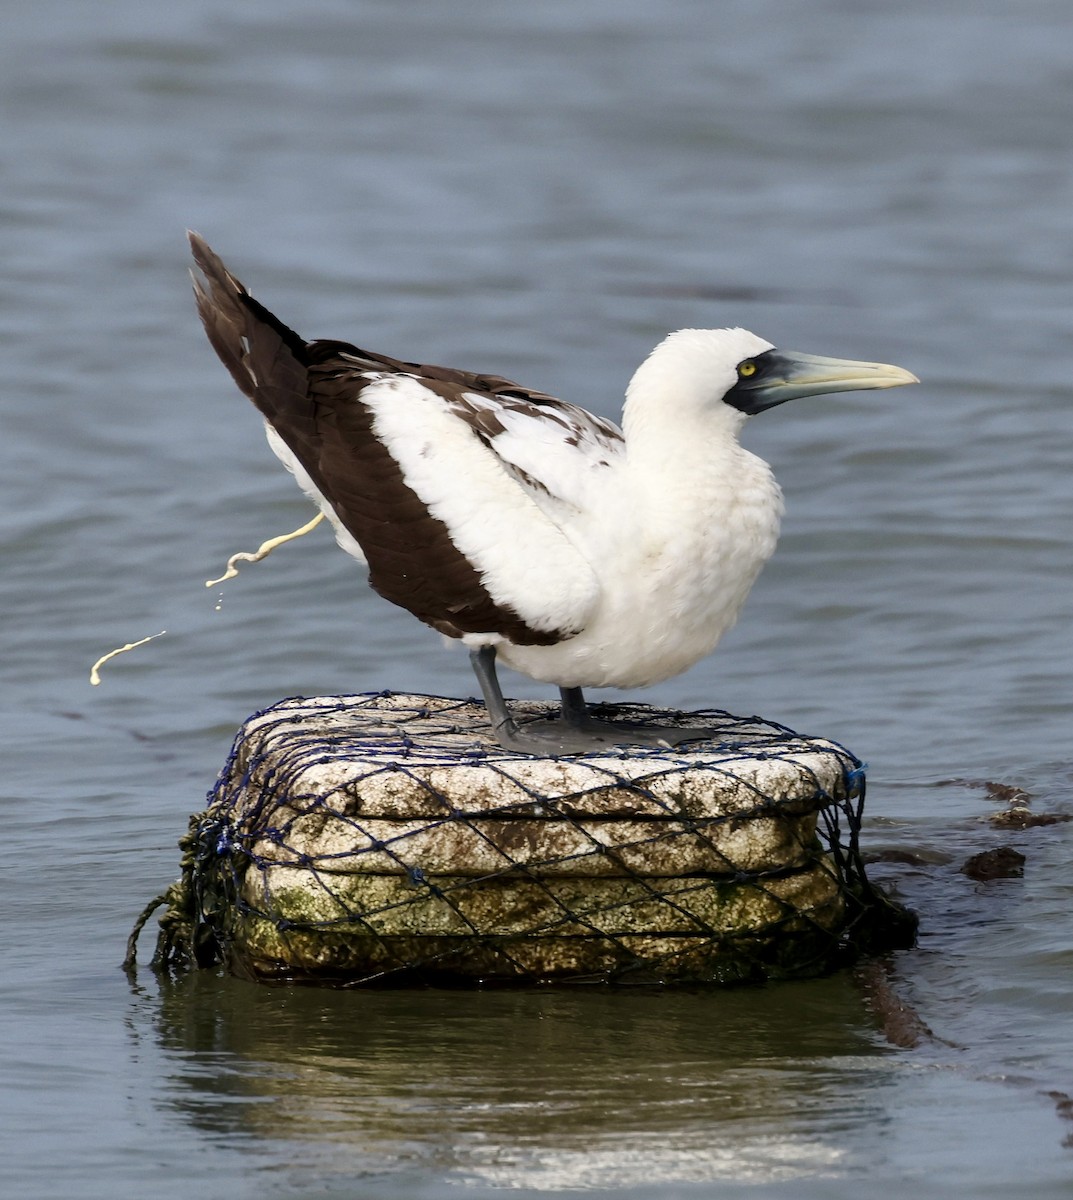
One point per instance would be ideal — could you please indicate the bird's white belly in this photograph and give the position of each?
(665, 601)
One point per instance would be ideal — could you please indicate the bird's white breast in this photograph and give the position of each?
(676, 553)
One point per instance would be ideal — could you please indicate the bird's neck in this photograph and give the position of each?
(689, 467)
(680, 438)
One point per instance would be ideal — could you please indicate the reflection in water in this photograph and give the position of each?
(528, 1089)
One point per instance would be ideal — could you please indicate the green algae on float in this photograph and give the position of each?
(388, 839)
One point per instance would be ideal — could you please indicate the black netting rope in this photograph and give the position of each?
(259, 798)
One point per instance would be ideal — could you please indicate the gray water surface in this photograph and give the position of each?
(543, 191)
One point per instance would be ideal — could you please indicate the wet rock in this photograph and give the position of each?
(1007, 793)
(1003, 862)
(1020, 817)
(907, 858)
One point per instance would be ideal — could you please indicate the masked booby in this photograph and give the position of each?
(580, 553)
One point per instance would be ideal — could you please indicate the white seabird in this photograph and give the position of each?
(581, 554)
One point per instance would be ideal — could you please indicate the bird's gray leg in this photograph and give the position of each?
(483, 662)
(575, 710)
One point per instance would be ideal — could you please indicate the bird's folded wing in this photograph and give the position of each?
(559, 454)
(481, 491)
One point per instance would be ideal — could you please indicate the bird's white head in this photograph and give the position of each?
(694, 369)
(734, 373)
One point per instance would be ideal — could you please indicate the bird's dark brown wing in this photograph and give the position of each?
(311, 395)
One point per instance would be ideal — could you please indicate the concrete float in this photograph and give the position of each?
(387, 839)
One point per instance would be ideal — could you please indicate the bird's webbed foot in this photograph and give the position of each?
(576, 731)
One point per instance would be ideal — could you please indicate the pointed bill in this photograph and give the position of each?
(783, 375)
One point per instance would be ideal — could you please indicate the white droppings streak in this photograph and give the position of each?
(95, 670)
(262, 551)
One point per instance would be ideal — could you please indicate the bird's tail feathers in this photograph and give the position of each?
(242, 331)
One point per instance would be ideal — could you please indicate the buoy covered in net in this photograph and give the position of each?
(387, 839)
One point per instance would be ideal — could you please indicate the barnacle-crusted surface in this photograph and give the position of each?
(388, 838)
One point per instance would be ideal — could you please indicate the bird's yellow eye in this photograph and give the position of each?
(747, 368)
